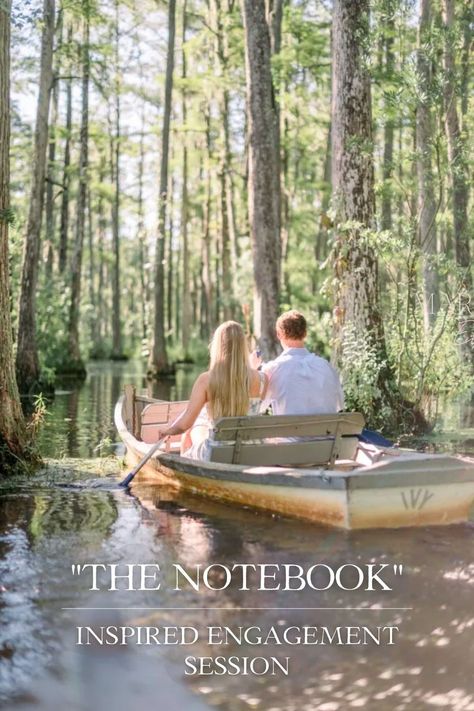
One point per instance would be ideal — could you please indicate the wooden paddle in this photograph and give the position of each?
(129, 478)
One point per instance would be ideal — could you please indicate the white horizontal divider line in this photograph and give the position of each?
(238, 609)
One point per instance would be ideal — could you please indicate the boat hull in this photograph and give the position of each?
(410, 490)
(327, 507)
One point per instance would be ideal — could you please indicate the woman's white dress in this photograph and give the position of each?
(202, 450)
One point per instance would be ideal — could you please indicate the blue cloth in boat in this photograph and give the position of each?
(203, 449)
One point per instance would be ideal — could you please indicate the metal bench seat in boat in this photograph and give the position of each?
(262, 440)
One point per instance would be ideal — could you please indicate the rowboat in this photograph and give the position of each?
(312, 467)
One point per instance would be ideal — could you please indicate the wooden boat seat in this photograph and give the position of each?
(263, 440)
(157, 414)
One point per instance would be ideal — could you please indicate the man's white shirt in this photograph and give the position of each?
(301, 383)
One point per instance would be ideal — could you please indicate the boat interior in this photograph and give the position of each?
(330, 441)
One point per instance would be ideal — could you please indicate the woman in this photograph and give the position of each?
(230, 388)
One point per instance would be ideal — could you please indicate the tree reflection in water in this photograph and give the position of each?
(427, 666)
(43, 529)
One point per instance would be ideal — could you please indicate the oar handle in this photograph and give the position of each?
(128, 479)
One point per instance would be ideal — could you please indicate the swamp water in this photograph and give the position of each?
(73, 512)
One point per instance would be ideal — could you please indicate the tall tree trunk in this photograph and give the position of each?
(75, 363)
(466, 61)
(169, 263)
(427, 208)
(92, 270)
(177, 294)
(49, 209)
(50, 213)
(275, 20)
(285, 205)
(64, 224)
(186, 296)
(12, 425)
(459, 181)
(357, 312)
(27, 362)
(224, 163)
(229, 181)
(204, 330)
(141, 233)
(389, 127)
(116, 311)
(209, 322)
(101, 289)
(264, 178)
(320, 245)
(158, 362)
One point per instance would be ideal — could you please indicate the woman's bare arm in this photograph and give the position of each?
(187, 418)
(256, 390)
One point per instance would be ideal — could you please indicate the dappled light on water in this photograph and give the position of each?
(74, 512)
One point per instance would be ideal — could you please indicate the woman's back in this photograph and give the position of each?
(256, 392)
(199, 443)
(230, 388)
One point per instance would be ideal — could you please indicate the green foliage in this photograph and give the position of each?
(427, 366)
(52, 319)
(8, 215)
(361, 367)
(198, 352)
(38, 415)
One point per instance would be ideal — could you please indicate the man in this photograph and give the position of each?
(299, 382)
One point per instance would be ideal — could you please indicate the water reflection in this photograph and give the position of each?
(80, 420)
(44, 529)
(39, 529)
(427, 666)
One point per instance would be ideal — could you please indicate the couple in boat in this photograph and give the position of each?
(237, 384)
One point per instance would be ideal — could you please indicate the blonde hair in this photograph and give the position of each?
(229, 372)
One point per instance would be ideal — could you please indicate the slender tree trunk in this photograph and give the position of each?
(92, 270)
(50, 212)
(177, 294)
(186, 296)
(158, 362)
(264, 178)
(169, 263)
(64, 224)
(101, 290)
(116, 308)
(427, 208)
(75, 363)
(12, 425)
(389, 128)
(275, 21)
(466, 60)
(194, 297)
(217, 273)
(357, 312)
(204, 329)
(321, 242)
(459, 180)
(229, 182)
(141, 234)
(224, 162)
(27, 362)
(207, 280)
(285, 205)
